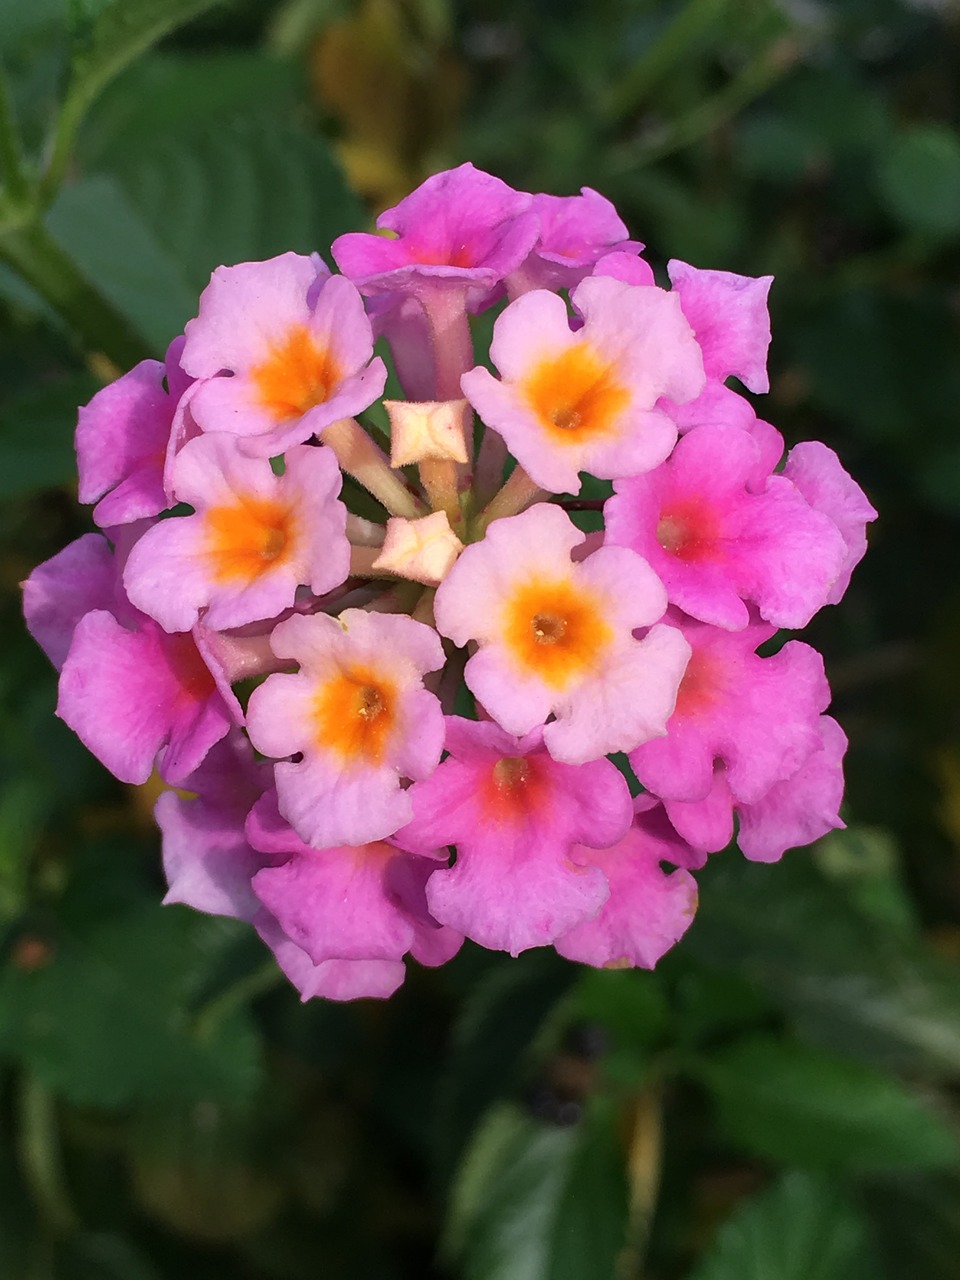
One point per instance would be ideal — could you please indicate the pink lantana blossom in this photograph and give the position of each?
(557, 637)
(570, 401)
(122, 439)
(649, 909)
(758, 717)
(381, 887)
(358, 713)
(333, 979)
(514, 814)
(716, 545)
(463, 230)
(794, 812)
(253, 539)
(730, 318)
(575, 231)
(818, 474)
(59, 592)
(298, 345)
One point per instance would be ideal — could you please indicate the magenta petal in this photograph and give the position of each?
(730, 318)
(647, 912)
(334, 979)
(80, 578)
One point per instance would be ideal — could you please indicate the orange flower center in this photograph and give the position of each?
(246, 540)
(556, 630)
(514, 789)
(297, 375)
(355, 715)
(575, 395)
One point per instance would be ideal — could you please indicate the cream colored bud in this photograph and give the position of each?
(428, 429)
(423, 550)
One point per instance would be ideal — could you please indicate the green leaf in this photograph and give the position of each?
(107, 1020)
(801, 1106)
(533, 1202)
(798, 1229)
(94, 221)
(846, 983)
(919, 180)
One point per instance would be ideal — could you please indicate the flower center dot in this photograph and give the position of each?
(548, 628)
(369, 702)
(511, 771)
(567, 419)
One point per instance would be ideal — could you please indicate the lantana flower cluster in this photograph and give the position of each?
(492, 657)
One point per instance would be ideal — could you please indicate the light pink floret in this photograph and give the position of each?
(122, 438)
(179, 568)
(758, 717)
(461, 229)
(247, 314)
(80, 578)
(626, 693)
(514, 814)
(818, 474)
(350, 902)
(328, 798)
(637, 333)
(716, 544)
(649, 909)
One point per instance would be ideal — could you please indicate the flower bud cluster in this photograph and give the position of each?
(382, 650)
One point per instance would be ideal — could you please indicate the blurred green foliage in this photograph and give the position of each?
(778, 1100)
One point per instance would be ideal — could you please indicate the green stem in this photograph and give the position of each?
(755, 79)
(32, 252)
(13, 172)
(38, 1143)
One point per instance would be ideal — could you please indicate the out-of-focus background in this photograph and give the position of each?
(779, 1100)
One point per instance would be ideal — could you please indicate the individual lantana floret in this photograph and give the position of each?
(649, 908)
(514, 814)
(298, 345)
(253, 539)
(716, 545)
(122, 439)
(794, 812)
(758, 717)
(557, 636)
(584, 400)
(575, 231)
(359, 714)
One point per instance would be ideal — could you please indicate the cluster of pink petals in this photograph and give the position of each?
(298, 674)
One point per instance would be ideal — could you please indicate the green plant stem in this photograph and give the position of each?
(13, 172)
(658, 60)
(755, 79)
(35, 255)
(38, 1145)
(208, 1019)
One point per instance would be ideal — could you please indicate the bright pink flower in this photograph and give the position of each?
(359, 714)
(649, 909)
(626, 266)
(462, 229)
(298, 346)
(363, 902)
(253, 539)
(794, 812)
(557, 637)
(758, 717)
(817, 473)
(730, 318)
(514, 814)
(584, 401)
(715, 544)
(130, 694)
(122, 438)
(207, 859)
(575, 231)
